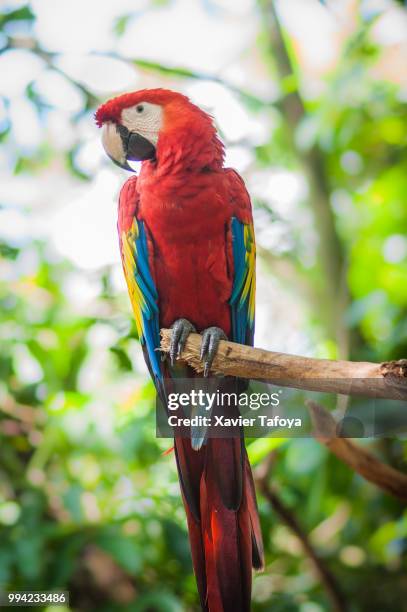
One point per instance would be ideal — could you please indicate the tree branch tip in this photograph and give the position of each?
(394, 369)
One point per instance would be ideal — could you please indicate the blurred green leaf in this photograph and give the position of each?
(122, 549)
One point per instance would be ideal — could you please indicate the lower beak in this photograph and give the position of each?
(121, 164)
(139, 148)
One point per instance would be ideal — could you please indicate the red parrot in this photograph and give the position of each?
(187, 245)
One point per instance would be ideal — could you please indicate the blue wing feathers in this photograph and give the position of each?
(149, 309)
(242, 298)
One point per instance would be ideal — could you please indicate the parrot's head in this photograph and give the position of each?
(153, 124)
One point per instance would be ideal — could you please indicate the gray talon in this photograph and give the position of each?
(181, 328)
(209, 347)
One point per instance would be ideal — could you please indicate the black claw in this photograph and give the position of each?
(180, 332)
(209, 347)
(204, 345)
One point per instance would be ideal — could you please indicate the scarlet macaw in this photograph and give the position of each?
(187, 245)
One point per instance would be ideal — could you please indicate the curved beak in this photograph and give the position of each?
(121, 145)
(113, 145)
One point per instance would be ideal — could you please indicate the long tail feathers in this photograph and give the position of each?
(220, 503)
(223, 523)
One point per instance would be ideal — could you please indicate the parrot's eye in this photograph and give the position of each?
(143, 118)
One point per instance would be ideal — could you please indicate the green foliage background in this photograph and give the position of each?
(88, 501)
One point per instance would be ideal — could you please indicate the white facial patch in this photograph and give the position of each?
(144, 119)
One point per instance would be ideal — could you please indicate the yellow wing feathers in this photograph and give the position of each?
(249, 287)
(129, 255)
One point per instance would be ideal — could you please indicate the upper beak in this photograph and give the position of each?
(122, 145)
(113, 145)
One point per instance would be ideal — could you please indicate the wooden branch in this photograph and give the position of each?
(356, 457)
(322, 571)
(380, 380)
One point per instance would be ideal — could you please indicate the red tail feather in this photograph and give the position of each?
(224, 529)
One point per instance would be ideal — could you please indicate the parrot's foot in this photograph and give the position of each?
(181, 328)
(209, 347)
